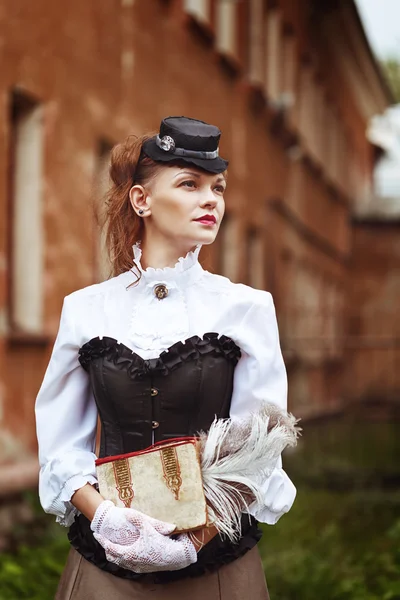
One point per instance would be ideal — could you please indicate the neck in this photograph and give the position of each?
(161, 255)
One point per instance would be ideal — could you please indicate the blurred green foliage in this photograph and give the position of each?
(340, 541)
(34, 565)
(391, 69)
(334, 547)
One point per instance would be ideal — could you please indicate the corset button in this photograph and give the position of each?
(154, 392)
(161, 291)
(155, 424)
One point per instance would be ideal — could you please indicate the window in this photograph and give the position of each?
(295, 187)
(324, 132)
(26, 200)
(316, 120)
(273, 53)
(255, 259)
(337, 142)
(306, 99)
(102, 184)
(229, 247)
(286, 269)
(343, 159)
(331, 142)
(199, 9)
(337, 151)
(226, 27)
(288, 69)
(256, 42)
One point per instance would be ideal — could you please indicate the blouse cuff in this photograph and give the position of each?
(278, 494)
(59, 479)
(61, 506)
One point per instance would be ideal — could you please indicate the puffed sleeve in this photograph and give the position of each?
(260, 375)
(66, 419)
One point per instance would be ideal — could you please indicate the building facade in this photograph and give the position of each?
(291, 84)
(373, 328)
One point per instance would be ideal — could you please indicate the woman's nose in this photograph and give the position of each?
(208, 198)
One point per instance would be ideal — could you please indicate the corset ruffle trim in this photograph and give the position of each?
(215, 554)
(169, 360)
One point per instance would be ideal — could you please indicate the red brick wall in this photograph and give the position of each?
(107, 69)
(373, 371)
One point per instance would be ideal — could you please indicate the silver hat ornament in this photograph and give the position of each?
(166, 143)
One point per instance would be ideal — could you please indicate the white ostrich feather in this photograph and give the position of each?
(236, 457)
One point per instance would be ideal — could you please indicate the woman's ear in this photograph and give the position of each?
(138, 198)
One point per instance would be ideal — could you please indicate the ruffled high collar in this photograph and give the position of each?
(186, 270)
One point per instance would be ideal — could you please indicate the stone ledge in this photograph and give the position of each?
(18, 476)
(20, 338)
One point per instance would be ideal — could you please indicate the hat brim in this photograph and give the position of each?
(213, 165)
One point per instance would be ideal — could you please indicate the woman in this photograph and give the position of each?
(156, 352)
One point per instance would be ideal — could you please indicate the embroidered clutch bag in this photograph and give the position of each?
(163, 481)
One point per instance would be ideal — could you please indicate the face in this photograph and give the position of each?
(184, 205)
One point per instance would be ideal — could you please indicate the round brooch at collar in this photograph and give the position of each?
(160, 291)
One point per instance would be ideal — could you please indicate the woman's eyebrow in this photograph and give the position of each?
(219, 179)
(187, 173)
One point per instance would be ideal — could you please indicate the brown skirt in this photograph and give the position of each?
(242, 579)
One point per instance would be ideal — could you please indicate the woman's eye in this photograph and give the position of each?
(220, 189)
(189, 183)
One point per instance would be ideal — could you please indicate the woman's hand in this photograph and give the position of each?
(140, 543)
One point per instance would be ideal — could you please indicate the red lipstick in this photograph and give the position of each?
(207, 220)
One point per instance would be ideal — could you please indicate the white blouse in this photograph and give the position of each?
(197, 302)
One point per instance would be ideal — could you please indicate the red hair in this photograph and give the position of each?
(123, 227)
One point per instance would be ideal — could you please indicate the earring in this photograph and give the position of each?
(141, 211)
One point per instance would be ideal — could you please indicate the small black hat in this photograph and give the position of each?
(190, 140)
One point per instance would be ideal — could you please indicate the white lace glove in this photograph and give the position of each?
(140, 543)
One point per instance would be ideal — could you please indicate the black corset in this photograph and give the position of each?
(144, 401)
